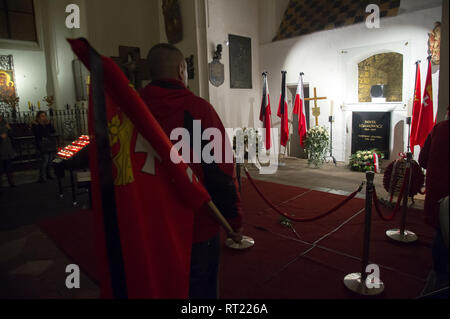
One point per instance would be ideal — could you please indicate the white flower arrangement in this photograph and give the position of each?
(316, 145)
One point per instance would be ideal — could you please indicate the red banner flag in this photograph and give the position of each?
(299, 109)
(417, 104)
(265, 113)
(155, 198)
(425, 123)
(283, 112)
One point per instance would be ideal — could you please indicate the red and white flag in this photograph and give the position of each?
(265, 113)
(416, 109)
(425, 122)
(144, 228)
(376, 163)
(283, 112)
(299, 109)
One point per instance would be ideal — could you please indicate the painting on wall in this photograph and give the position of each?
(8, 98)
(240, 62)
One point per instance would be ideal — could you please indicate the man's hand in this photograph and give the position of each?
(3, 136)
(237, 237)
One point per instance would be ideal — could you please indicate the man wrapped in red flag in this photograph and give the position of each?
(265, 112)
(283, 112)
(145, 213)
(299, 109)
(175, 106)
(434, 157)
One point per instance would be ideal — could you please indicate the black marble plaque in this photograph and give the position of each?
(371, 130)
(240, 62)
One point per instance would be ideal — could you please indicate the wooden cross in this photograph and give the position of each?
(135, 68)
(316, 110)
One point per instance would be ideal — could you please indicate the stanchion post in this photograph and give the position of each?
(356, 282)
(238, 175)
(403, 235)
(406, 195)
(367, 224)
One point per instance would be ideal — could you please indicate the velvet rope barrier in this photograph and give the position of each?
(301, 220)
(397, 206)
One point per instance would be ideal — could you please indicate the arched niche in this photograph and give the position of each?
(381, 69)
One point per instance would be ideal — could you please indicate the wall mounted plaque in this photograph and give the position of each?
(240, 62)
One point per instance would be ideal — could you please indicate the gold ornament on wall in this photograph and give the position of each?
(434, 44)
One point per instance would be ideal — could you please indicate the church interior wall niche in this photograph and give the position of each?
(381, 69)
(240, 62)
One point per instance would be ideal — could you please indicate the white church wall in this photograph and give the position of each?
(29, 65)
(236, 107)
(30, 74)
(270, 16)
(116, 22)
(319, 56)
(59, 55)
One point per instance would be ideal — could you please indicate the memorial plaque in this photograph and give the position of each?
(371, 130)
(240, 62)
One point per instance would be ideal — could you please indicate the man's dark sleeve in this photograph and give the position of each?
(223, 191)
(425, 152)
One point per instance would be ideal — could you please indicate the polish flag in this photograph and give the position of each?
(265, 113)
(376, 163)
(299, 109)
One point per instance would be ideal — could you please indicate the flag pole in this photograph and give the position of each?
(410, 120)
(283, 75)
(106, 181)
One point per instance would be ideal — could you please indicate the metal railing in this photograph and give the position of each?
(69, 123)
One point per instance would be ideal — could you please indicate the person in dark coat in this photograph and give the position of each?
(6, 152)
(434, 157)
(44, 132)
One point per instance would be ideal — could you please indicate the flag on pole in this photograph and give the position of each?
(417, 104)
(283, 112)
(376, 163)
(425, 123)
(144, 223)
(265, 113)
(299, 109)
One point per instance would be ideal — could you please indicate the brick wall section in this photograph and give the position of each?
(384, 68)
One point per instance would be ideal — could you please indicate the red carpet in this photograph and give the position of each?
(281, 265)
